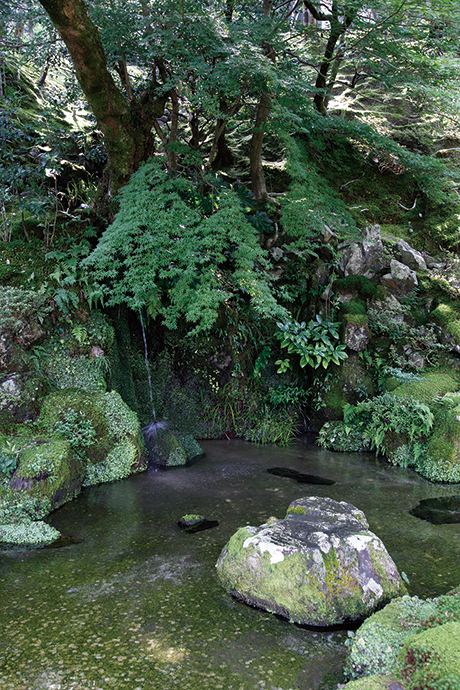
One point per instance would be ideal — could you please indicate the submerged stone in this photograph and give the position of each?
(190, 520)
(299, 476)
(319, 566)
(439, 511)
(196, 523)
(171, 449)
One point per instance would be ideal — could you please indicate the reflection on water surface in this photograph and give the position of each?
(136, 603)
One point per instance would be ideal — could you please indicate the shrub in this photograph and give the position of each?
(377, 417)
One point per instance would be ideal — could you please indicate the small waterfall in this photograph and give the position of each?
(150, 431)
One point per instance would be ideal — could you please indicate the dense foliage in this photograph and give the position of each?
(181, 250)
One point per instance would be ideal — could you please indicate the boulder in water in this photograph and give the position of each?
(319, 566)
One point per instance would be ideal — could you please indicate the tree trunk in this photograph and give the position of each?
(264, 107)
(127, 137)
(259, 188)
(338, 28)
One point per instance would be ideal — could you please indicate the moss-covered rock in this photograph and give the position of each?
(319, 566)
(190, 445)
(356, 331)
(167, 450)
(349, 383)
(19, 398)
(378, 642)
(21, 313)
(48, 473)
(448, 316)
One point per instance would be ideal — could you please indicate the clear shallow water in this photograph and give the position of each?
(137, 604)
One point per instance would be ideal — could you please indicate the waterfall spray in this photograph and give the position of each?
(150, 431)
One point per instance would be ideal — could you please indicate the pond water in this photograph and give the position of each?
(136, 604)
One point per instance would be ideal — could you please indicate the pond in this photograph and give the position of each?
(134, 602)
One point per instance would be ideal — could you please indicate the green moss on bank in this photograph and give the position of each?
(430, 387)
(28, 534)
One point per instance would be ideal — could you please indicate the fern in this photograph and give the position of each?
(180, 257)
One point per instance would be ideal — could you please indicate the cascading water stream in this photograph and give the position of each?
(150, 431)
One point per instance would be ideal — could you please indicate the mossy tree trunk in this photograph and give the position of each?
(126, 124)
(338, 27)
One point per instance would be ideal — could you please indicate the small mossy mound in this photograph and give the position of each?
(28, 534)
(431, 386)
(379, 640)
(355, 319)
(168, 451)
(115, 450)
(432, 659)
(361, 285)
(191, 519)
(355, 306)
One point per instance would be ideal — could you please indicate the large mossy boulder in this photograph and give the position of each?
(102, 428)
(319, 566)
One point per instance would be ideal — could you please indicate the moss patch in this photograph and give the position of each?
(432, 385)
(28, 534)
(378, 642)
(447, 316)
(432, 658)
